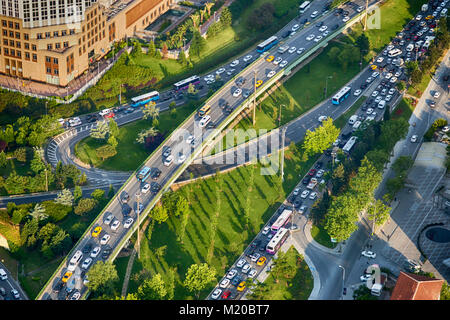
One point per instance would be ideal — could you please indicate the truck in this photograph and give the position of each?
(312, 184)
(424, 7)
(376, 289)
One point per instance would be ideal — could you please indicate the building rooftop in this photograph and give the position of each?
(412, 286)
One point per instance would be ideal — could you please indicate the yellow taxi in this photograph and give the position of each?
(96, 231)
(66, 276)
(373, 67)
(258, 83)
(270, 58)
(241, 286)
(261, 261)
(429, 17)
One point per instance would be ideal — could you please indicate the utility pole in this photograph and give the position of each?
(46, 179)
(283, 132)
(326, 86)
(138, 195)
(279, 118)
(120, 94)
(254, 100)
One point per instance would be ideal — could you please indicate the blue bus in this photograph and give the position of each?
(143, 174)
(266, 45)
(341, 95)
(145, 98)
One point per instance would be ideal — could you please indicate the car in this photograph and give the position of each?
(357, 92)
(302, 209)
(181, 157)
(378, 99)
(96, 232)
(226, 294)
(240, 81)
(312, 172)
(128, 223)
(75, 296)
(241, 286)
(205, 120)
(313, 195)
(115, 225)
(369, 111)
(224, 283)
(322, 118)
(432, 104)
(108, 218)
(436, 94)
(320, 173)
(230, 72)
(445, 129)
(145, 188)
(345, 19)
(86, 263)
(104, 240)
(318, 38)
(295, 27)
(231, 274)
(248, 57)
(95, 252)
(419, 17)
(258, 83)
(277, 60)
(391, 91)
(252, 273)
(246, 268)
(365, 277)
(310, 37)
(271, 74)
(283, 64)
(241, 263)
(360, 9)
(129, 110)
(297, 203)
(126, 210)
(104, 112)
(388, 98)
(369, 254)
(300, 50)
(66, 276)
(265, 230)
(216, 294)
(414, 138)
(388, 75)
(369, 80)
(168, 161)
(15, 293)
(261, 261)
(124, 197)
(220, 71)
(304, 194)
(292, 49)
(270, 58)
(254, 257)
(314, 14)
(393, 80)
(296, 191)
(237, 92)
(234, 63)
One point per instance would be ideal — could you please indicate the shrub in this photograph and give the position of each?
(56, 211)
(84, 206)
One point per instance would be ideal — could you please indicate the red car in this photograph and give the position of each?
(109, 115)
(312, 172)
(226, 294)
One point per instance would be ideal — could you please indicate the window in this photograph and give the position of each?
(49, 70)
(10, 24)
(27, 56)
(17, 44)
(19, 54)
(17, 35)
(55, 60)
(6, 51)
(34, 57)
(58, 45)
(16, 25)
(27, 46)
(72, 31)
(56, 33)
(4, 23)
(47, 34)
(63, 33)
(48, 59)
(33, 47)
(49, 46)
(5, 42)
(5, 33)
(66, 44)
(39, 36)
(55, 71)
(11, 34)
(26, 36)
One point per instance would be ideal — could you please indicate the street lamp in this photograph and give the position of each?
(138, 196)
(343, 277)
(326, 85)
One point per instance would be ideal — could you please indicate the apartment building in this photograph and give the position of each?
(55, 41)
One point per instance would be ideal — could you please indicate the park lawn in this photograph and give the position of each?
(320, 235)
(13, 165)
(298, 287)
(130, 155)
(231, 237)
(403, 110)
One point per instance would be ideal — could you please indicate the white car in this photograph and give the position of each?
(128, 223)
(369, 254)
(398, 74)
(95, 252)
(378, 99)
(320, 173)
(418, 17)
(209, 77)
(313, 195)
(375, 74)
(346, 19)
(388, 98)
(252, 273)
(369, 111)
(86, 263)
(105, 239)
(388, 75)
(326, 33)
(414, 138)
(145, 188)
(277, 60)
(302, 209)
(310, 37)
(436, 94)
(230, 72)
(304, 194)
(380, 59)
(108, 219)
(234, 63)
(181, 157)
(205, 120)
(224, 283)
(230, 275)
(300, 51)
(323, 28)
(254, 257)
(265, 230)
(375, 93)
(15, 293)
(220, 71)
(365, 277)
(357, 92)
(391, 91)
(296, 191)
(237, 92)
(360, 9)
(115, 225)
(104, 112)
(189, 139)
(369, 80)
(446, 129)
(241, 263)
(295, 27)
(314, 14)
(292, 49)
(248, 57)
(393, 80)
(322, 118)
(168, 160)
(271, 74)
(318, 38)
(216, 294)
(246, 268)
(283, 64)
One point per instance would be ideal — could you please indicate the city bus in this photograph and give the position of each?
(143, 174)
(144, 98)
(304, 6)
(204, 110)
(282, 221)
(341, 95)
(349, 145)
(277, 240)
(267, 44)
(184, 84)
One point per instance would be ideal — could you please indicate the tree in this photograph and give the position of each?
(182, 58)
(213, 30)
(150, 111)
(321, 138)
(197, 44)
(65, 197)
(363, 293)
(159, 214)
(225, 17)
(113, 128)
(36, 164)
(151, 48)
(84, 206)
(105, 152)
(152, 289)
(100, 131)
(363, 43)
(102, 277)
(38, 212)
(182, 206)
(340, 221)
(3, 159)
(77, 193)
(402, 165)
(112, 141)
(150, 132)
(98, 195)
(198, 277)
(164, 50)
(378, 212)
(28, 234)
(364, 183)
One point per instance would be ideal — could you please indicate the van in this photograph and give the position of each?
(381, 104)
(394, 53)
(356, 125)
(75, 260)
(353, 119)
(3, 274)
(444, 12)
(283, 49)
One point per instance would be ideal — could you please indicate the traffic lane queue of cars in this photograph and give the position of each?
(7, 290)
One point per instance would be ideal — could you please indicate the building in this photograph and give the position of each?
(412, 286)
(55, 41)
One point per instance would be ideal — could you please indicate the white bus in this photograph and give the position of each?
(304, 6)
(282, 221)
(349, 145)
(144, 98)
(277, 240)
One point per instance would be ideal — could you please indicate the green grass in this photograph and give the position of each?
(231, 237)
(403, 110)
(321, 236)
